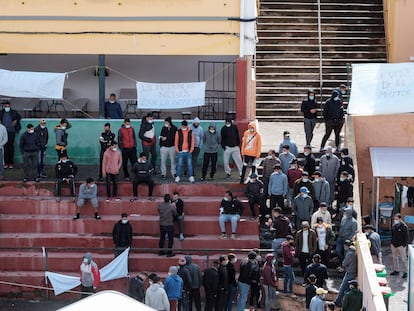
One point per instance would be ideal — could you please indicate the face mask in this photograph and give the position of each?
(305, 195)
(7, 109)
(112, 101)
(225, 199)
(311, 97)
(277, 172)
(212, 131)
(166, 124)
(342, 179)
(285, 152)
(316, 180)
(323, 296)
(396, 222)
(195, 125)
(293, 167)
(343, 92)
(127, 126)
(269, 157)
(252, 130)
(306, 154)
(183, 128)
(124, 221)
(228, 125)
(114, 149)
(234, 260)
(64, 161)
(42, 126)
(150, 121)
(143, 161)
(31, 131)
(273, 261)
(226, 263)
(350, 205)
(304, 179)
(63, 127)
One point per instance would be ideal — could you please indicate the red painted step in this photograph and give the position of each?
(88, 224)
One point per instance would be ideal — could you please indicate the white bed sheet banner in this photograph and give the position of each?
(31, 84)
(382, 89)
(116, 269)
(170, 95)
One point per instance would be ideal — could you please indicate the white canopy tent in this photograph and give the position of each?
(389, 162)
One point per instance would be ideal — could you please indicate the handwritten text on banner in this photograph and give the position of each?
(170, 95)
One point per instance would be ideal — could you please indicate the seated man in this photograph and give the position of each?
(87, 191)
(65, 171)
(230, 211)
(142, 173)
(255, 194)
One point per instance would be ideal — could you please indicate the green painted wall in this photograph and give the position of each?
(83, 139)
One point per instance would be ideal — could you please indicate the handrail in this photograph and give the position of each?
(320, 53)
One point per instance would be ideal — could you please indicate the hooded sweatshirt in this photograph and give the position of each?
(61, 135)
(195, 272)
(211, 141)
(157, 298)
(89, 273)
(173, 286)
(111, 162)
(251, 142)
(269, 272)
(307, 105)
(169, 133)
(348, 225)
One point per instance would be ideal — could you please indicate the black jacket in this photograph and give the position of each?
(230, 136)
(232, 207)
(136, 289)
(333, 110)
(42, 136)
(170, 134)
(29, 142)
(145, 127)
(65, 169)
(231, 273)
(185, 274)
(320, 271)
(307, 105)
(122, 234)
(399, 235)
(223, 279)
(141, 170)
(15, 116)
(211, 281)
(310, 164)
(108, 138)
(345, 190)
(346, 164)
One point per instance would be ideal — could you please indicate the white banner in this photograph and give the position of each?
(382, 89)
(116, 269)
(31, 84)
(170, 95)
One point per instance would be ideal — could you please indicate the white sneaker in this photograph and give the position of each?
(181, 236)
(177, 179)
(191, 179)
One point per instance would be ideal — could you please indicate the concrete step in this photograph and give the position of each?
(193, 206)
(144, 224)
(104, 240)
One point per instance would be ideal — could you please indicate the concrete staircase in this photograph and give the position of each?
(30, 219)
(288, 62)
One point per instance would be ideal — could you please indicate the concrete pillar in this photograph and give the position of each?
(245, 93)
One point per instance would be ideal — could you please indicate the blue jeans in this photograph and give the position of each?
(244, 291)
(340, 249)
(270, 297)
(344, 287)
(223, 218)
(184, 156)
(276, 246)
(230, 299)
(183, 303)
(289, 278)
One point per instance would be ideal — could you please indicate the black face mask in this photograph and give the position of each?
(195, 125)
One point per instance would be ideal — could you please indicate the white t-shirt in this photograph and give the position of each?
(321, 237)
(305, 246)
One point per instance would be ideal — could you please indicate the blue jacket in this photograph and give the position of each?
(113, 111)
(173, 286)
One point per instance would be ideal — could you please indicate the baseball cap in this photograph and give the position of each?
(321, 291)
(303, 190)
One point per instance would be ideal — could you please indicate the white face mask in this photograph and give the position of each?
(252, 130)
(305, 195)
(127, 126)
(228, 125)
(212, 131)
(31, 131)
(166, 124)
(150, 121)
(225, 199)
(304, 179)
(112, 101)
(183, 128)
(396, 222)
(124, 221)
(63, 127)
(42, 126)
(306, 154)
(114, 149)
(285, 152)
(7, 109)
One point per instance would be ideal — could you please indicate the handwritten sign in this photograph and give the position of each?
(170, 95)
(382, 89)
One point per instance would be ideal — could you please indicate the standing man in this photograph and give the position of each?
(167, 148)
(155, 296)
(347, 229)
(293, 148)
(302, 207)
(281, 229)
(309, 165)
(210, 284)
(196, 277)
(122, 235)
(288, 251)
(333, 113)
(349, 265)
(211, 143)
(329, 166)
(309, 109)
(245, 279)
(65, 171)
(198, 142)
(223, 285)
(87, 191)
(3, 141)
(326, 239)
(61, 136)
(255, 194)
(353, 298)
(399, 242)
(128, 144)
(317, 302)
(322, 190)
(278, 188)
(10, 118)
(113, 108)
(42, 134)
(29, 147)
(184, 146)
(306, 244)
(251, 149)
(268, 167)
(106, 139)
(230, 142)
(318, 270)
(90, 275)
(269, 275)
(110, 171)
(173, 286)
(375, 239)
(142, 174)
(179, 207)
(286, 157)
(147, 136)
(167, 212)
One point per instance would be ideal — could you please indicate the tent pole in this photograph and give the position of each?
(373, 200)
(377, 208)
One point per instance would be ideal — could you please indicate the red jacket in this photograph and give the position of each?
(288, 252)
(269, 272)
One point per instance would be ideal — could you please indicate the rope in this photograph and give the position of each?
(42, 287)
(77, 70)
